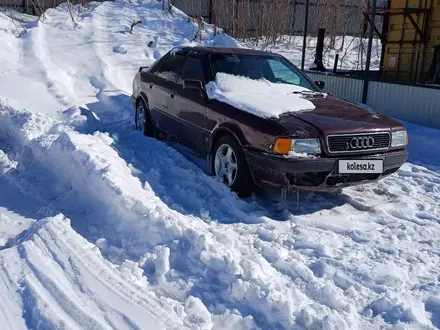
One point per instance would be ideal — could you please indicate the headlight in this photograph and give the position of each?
(399, 139)
(283, 146)
(307, 146)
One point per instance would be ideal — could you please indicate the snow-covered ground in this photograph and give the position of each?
(101, 227)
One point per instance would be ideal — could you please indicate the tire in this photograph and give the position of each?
(229, 165)
(142, 119)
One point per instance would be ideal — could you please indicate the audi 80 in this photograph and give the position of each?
(331, 145)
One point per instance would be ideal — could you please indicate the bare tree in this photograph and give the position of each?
(133, 24)
(19, 27)
(70, 10)
(270, 20)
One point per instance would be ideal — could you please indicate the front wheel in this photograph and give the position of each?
(142, 119)
(230, 166)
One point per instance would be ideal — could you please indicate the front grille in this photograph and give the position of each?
(351, 143)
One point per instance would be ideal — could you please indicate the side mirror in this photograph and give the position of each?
(144, 68)
(320, 84)
(195, 85)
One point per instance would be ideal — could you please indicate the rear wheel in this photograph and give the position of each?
(142, 119)
(230, 166)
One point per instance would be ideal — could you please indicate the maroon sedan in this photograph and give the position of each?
(329, 144)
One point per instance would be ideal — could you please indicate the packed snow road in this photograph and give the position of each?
(101, 227)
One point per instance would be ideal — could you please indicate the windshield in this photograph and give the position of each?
(272, 68)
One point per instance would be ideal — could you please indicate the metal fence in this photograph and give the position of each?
(29, 6)
(346, 18)
(34, 7)
(419, 105)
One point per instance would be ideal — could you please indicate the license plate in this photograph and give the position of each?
(361, 166)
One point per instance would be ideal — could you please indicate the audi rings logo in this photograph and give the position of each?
(364, 142)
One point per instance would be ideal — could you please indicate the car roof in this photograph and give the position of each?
(226, 50)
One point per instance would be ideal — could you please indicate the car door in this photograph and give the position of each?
(190, 105)
(159, 87)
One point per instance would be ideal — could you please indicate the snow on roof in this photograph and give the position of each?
(259, 97)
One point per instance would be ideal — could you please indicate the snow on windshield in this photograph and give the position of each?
(259, 97)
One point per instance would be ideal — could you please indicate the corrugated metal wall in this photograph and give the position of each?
(415, 104)
(346, 88)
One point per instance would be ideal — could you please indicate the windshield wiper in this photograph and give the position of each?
(310, 93)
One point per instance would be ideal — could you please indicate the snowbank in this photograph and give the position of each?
(259, 97)
(11, 201)
(123, 215)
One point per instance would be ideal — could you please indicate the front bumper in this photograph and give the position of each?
(318, 174)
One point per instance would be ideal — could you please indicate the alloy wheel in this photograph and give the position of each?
(225, 164)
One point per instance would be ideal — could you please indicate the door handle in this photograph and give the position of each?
(172, 96)
(151, 86)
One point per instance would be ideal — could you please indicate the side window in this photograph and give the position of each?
(156, 66)
(193, 70)
(171, 67)
(283, 74)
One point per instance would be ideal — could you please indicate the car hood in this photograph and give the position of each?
(333, 116)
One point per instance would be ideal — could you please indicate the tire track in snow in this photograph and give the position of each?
(50, 297)
(33, 52)
(10, 312)
(58, 80)
(69, 262)
(48, 286)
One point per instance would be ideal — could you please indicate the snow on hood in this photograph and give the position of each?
(259, 97)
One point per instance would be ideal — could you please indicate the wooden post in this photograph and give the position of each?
(210, 12)
(320, 50)
(335, 67)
